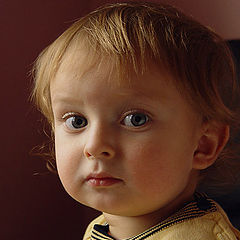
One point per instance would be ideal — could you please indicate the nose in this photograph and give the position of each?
(99, 143)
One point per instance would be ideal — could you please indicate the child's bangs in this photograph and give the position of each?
(84, 56)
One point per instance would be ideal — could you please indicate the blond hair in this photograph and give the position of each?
(134, 33)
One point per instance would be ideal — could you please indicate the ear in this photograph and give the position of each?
(212, 141)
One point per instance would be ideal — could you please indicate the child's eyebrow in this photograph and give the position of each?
(58, 99)
(126, 95)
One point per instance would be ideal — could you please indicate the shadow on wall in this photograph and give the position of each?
(235, 47)
(231, 201)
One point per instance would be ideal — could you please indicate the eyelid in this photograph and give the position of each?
(67, 116)
(123, 115)
(137, 110)
(70, 114)
(131, 111)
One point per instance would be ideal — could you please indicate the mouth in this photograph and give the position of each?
(102, 180)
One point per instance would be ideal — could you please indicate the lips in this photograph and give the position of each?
(102, 180)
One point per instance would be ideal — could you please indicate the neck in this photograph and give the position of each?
(123, 227)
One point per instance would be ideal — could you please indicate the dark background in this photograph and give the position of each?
(33, 202)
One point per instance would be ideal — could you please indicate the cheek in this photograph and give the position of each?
(155, 167)
(67, 160)
(66, 148)
(144, 162)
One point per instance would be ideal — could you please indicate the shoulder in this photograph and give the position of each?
(99, 220)
(211, 226)
(196, 221)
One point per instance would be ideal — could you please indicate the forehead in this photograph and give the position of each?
(95, 90)
(79, 82)
(80, 61)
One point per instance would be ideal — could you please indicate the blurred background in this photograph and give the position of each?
(33, 204)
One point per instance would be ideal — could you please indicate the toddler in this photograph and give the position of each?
(142, 100)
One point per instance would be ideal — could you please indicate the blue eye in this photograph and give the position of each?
(76, 122)
(135, 119)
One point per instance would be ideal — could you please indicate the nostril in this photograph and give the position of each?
(106, 154)
(88, 154)
(95, 154)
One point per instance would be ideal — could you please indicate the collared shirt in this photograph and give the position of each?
(201, 219)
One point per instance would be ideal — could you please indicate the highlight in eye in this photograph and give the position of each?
(74, 121)
(135, 119)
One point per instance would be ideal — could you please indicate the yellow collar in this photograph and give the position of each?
(197, 208)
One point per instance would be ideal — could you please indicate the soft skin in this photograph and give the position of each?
(154, 164)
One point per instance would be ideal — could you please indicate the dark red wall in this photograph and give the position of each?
(32, 206)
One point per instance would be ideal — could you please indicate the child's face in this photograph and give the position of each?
(125, 150)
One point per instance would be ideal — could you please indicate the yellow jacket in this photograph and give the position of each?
(202, 219)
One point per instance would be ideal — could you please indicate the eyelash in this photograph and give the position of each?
(69, 115)
(135, 111)
(123, 117)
